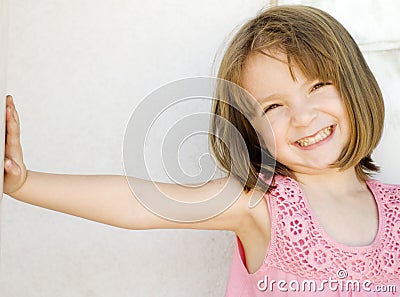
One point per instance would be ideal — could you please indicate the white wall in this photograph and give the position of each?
(3, 73)
(77, 69)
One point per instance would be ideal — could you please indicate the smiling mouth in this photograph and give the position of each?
(321, 135)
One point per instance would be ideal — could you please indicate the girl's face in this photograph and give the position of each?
(309, 120)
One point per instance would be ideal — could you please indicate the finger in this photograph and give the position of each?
(13, 149)
(10, 104)
(12, 128)
(12, 176)
(12, 172)
(13, 111)
(10, 101)
(16, 116)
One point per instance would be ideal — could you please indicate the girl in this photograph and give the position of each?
(322, 226)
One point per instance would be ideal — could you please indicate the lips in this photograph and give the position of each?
(315, 138)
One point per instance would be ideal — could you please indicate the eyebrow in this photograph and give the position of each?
(270, 97)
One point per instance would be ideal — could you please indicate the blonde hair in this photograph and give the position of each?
(321, 48)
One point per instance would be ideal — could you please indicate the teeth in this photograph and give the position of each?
(317, 138)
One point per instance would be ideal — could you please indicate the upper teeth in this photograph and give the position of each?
(320, 136)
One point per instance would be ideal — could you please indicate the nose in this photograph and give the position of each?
(302, 113)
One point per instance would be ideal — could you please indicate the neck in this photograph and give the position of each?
(334, 181)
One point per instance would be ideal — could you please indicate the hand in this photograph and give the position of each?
(14, 168)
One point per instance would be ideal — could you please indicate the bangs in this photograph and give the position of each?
(234, 101)
(308, 41)
(310, 56)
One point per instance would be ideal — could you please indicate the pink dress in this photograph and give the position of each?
(302, 260)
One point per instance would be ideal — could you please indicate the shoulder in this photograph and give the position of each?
(238, 210)
(388, 192)
(256, 209)
(248, 212)
(384, 187)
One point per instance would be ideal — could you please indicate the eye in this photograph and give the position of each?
(319, 85)
(272, 106)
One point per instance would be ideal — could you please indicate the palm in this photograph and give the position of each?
(14, 167)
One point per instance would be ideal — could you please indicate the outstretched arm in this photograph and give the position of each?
(108, 198)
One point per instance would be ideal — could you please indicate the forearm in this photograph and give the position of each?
(102, 198)
(108, 199)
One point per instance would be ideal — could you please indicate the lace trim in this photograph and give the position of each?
(298, 244)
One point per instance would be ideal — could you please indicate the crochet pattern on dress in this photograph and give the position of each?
(300, 246)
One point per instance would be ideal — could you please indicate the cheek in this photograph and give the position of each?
(344, 120)
(347, 131)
